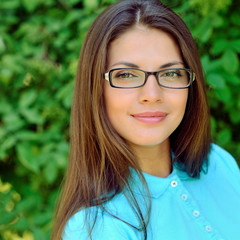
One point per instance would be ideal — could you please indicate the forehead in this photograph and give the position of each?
(144, 47)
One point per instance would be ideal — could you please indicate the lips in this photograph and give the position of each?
(150, 114)
(150, 117)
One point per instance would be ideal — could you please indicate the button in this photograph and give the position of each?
(196, 213)
(174, 183)
(208, 228)
(184, 197)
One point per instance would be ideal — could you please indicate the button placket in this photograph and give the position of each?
(192, 207)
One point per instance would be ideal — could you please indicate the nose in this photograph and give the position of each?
(151, 92)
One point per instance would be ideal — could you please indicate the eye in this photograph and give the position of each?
(125, 75)
(172, 74)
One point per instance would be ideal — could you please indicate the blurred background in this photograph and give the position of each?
(40, 42)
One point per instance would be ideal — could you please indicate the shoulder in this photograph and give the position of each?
(106, 227)
(75, 227)
(220, 161)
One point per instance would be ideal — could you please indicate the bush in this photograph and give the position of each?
(39, 46)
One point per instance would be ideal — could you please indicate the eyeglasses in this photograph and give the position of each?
(175, 78)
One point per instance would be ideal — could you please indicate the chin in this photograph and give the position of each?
(149, 143)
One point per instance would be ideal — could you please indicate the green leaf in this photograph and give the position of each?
(27, 204)
(230, 61)
(224, 137)
(235, 116)
(2, 45)
(235, 18)
(28, 157)
(224, 95)
(61, 160)
(6, 75)
(236, 44)
(65, 94)
(32, 116)
(90, 4)
(211, 65)
(3, 154)
(6, 217)
(6, 107)
(42, 218)
(9, 4)
(217, 21)
(26, 135)
(8, 142)
(30, 5)
(216, 80)
(73, 67)
(3, 132)
(12, 121)
(204, 29)
(233, 79)
(38, 233)
(13, 62)
(50, 171)
(219, 46)
(74, 16)
(213, 126)
(72, 2)
(27, 98)
(234, 32)
(21, 224)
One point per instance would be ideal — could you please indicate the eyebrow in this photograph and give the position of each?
(166, 65)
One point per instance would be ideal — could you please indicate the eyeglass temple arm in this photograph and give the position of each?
(193, 76)
(106, 76)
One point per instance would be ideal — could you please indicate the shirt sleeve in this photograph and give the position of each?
(106, 228)
(224, 162)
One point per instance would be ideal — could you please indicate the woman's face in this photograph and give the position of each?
(145, 116)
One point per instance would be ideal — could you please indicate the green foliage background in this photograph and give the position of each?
(40, 42)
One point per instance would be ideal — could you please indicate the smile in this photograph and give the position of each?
(150, 117)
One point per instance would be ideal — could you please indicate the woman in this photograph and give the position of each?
(141, 164)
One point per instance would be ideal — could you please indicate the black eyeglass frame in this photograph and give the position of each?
(107, 76)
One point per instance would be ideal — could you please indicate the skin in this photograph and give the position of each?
(150, 50)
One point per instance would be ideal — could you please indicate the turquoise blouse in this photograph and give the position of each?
(183, 208)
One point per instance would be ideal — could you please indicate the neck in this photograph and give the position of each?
(154, 160)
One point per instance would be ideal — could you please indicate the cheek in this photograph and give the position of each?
(119, 104)
(185, 99)
(177, 102)
(182, 103)
(115, 102)
(182, 100)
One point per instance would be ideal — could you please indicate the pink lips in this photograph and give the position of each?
(150, 117)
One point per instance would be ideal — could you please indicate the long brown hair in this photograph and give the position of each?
(99, 158)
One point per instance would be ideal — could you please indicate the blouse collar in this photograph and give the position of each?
(156, 185)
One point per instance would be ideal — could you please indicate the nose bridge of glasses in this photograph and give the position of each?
(155, 74)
